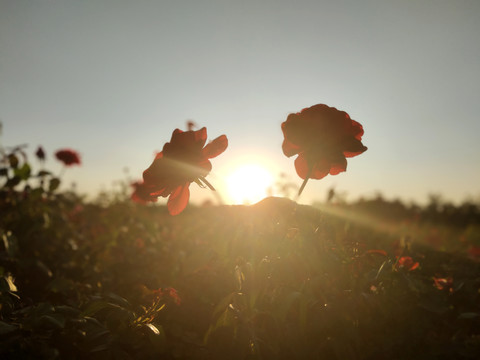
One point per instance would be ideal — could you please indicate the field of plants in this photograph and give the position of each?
(114, 279)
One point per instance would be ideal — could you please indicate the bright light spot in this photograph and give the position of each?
(249, 183)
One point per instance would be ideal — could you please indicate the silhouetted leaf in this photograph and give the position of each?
(23, 172)
(43, 173)
(12, 182)
(468, 315)
(118, 300)
(54, 184)
(13, 160)
(156, 336)
(6, 328)
(55, 321)
(95, 307)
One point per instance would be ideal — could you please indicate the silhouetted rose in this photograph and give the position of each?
(141, 193)
(183, 160)
(68, 157)
(40, 154)
(322, 137)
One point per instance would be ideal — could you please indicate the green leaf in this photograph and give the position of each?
(54, 184)
(286, 304)
(7, 285)
(468, 315)
(13, 160)
(156, 336)
(95, 307)
(10, 283)
(13, 182)
(9, 242)
(67, 310)
(6, 328)
(118, 300)
(153, 329)
(61, 285)
(222, 305)
(54, 321)
(23, 172)
(43, 173)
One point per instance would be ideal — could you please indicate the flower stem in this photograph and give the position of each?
(304, 183)
(62, 171)
(207, 183)
(301, 188)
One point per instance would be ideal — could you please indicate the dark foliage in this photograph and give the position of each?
(275, 280)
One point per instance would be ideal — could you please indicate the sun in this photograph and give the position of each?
(249, 183)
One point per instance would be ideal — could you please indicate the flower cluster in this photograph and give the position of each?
(169, 292)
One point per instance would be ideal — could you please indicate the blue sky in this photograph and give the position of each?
(114, 78)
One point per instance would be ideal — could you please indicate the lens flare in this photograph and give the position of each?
(249, 183)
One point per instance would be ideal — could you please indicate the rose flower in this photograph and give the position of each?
(406, 263)
(68, 157)
(183, 160)
(141, 193)
(322, 137)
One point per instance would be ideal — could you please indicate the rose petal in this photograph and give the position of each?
(297, 130)
(353, 147)
(178, 200)
(357, 130)
(290, 149)
(340, 165)
(215, 147)
(320, 169)
(206, 165)
(301, 166)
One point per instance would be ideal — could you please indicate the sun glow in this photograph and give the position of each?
(249, 183)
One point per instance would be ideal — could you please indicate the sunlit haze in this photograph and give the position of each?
(249, 183)
(113, 78)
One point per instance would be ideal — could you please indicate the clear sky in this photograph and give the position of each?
(113, 78)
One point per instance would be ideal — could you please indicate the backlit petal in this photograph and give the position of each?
(290, 149)
(338, 166)
(357, 130)
(301, 166)
(215, 147)
(178, 200)
(353, 147)
(320, 169)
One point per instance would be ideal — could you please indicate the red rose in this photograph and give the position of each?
(141, 193)
(322, 137)
(443, 283)
(68, 157)
(407, 263)
(183, 160)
